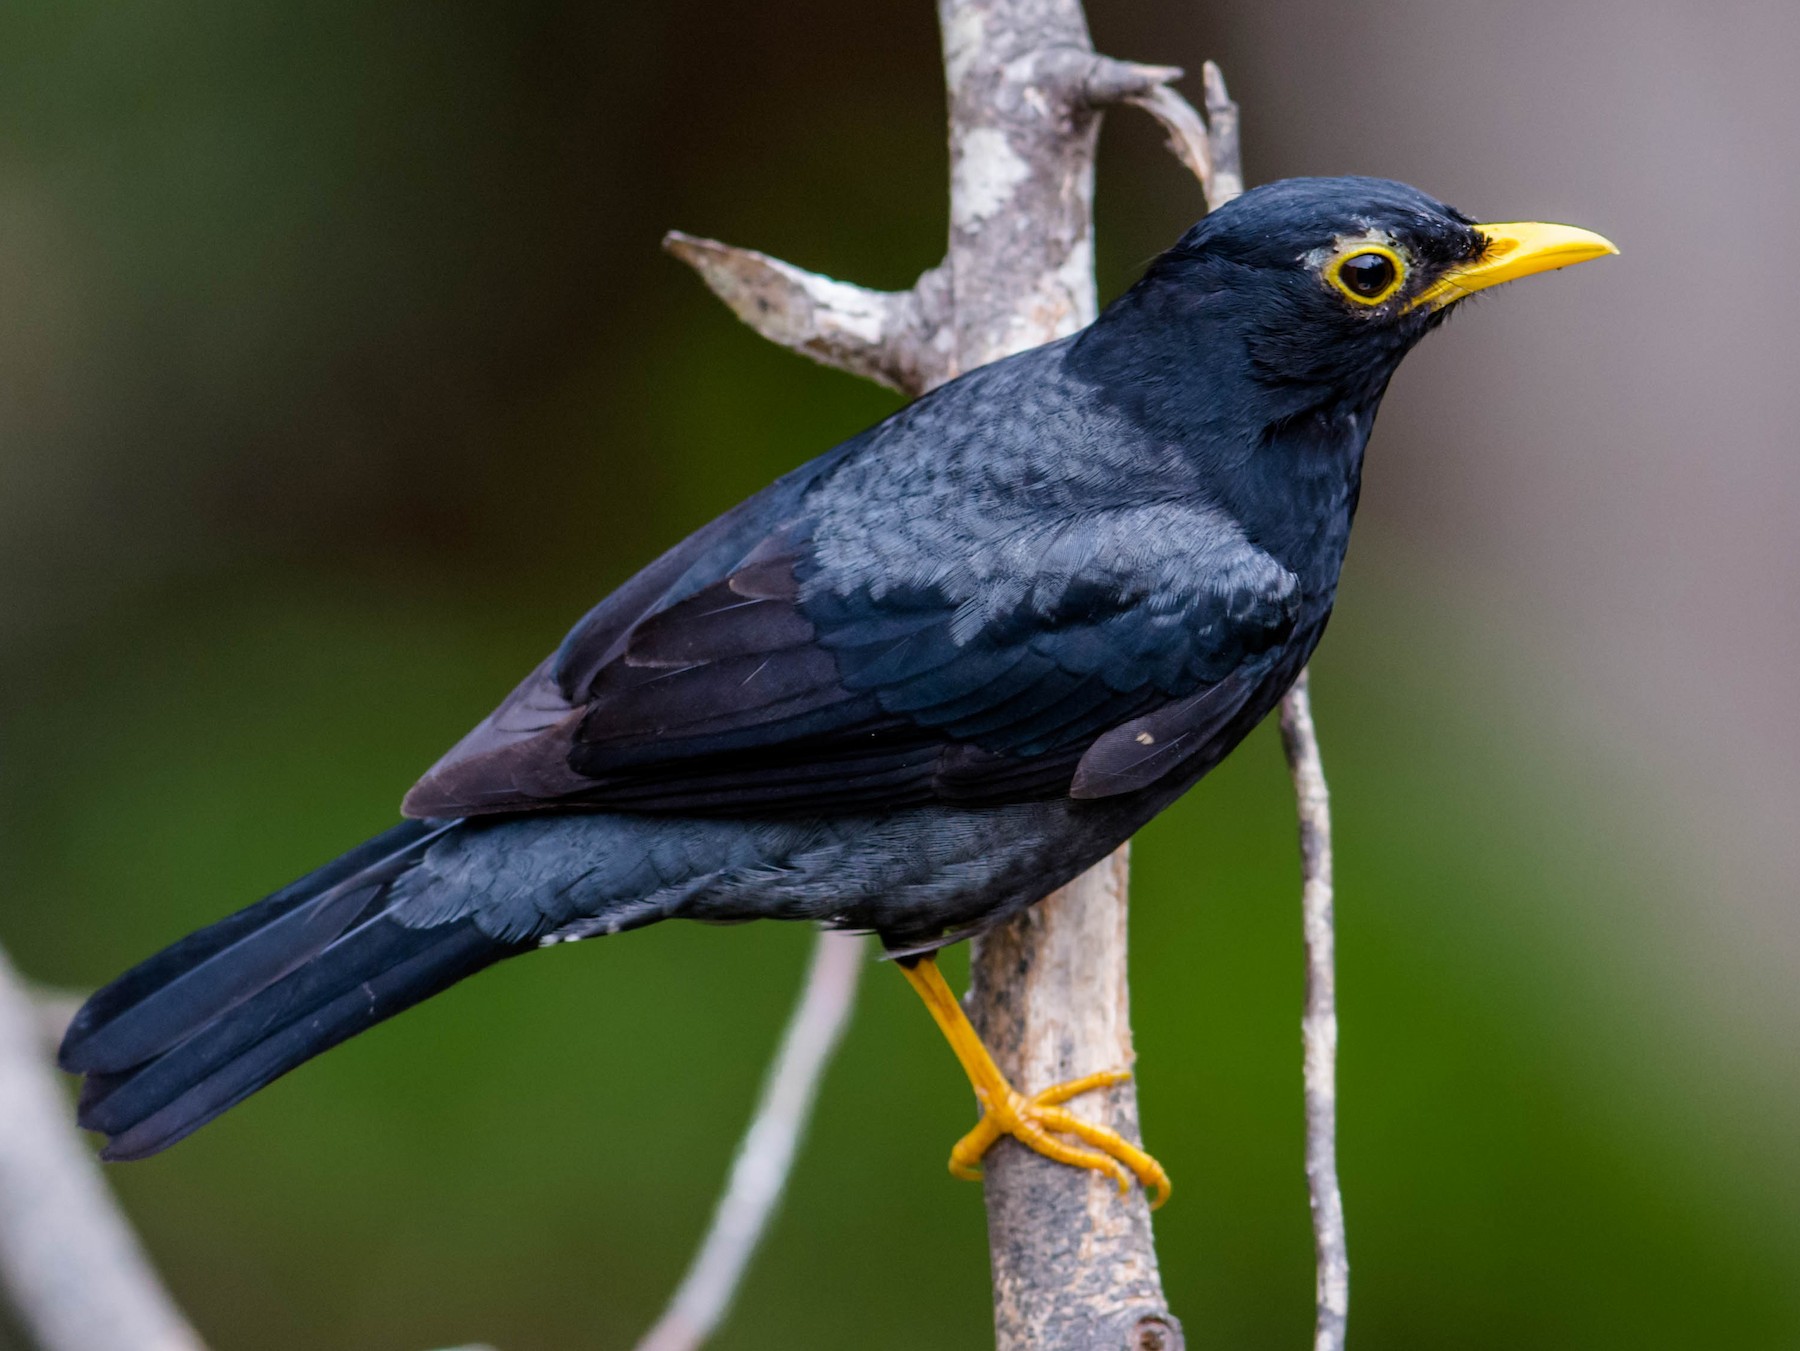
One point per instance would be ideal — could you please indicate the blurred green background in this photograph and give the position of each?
(339, 372)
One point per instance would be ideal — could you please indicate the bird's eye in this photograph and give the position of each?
(1369, 275)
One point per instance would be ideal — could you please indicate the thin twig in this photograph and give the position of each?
(1222, 137)
(766, 1155)
(69, 1261)
(1299, 739)
(1318, 1025)
(895, 338)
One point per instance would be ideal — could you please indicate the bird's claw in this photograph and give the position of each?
(1031, 1120)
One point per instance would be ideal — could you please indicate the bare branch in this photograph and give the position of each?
(1023, 131)
(896, 338)
(69, 1261)
(766, 1155)
(1318, 1025)
(1207, 146)
(1108, 80)
(1188, 140)
(1074, 1262)
(1222, 136)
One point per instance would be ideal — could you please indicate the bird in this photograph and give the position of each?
(908, 688)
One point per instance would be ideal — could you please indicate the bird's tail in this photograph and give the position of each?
(202, 1025)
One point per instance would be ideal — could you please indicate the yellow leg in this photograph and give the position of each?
(1029, 1119)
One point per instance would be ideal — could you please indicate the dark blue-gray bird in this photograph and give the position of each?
(910, 688)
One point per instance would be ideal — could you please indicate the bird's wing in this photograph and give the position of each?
(1086, 654)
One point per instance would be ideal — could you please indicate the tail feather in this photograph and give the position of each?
(205, 1023)
(162, 999)
(348, 989)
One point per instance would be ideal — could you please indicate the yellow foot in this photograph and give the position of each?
(1030, 1121)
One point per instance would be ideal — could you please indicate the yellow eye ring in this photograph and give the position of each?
(1368, 274)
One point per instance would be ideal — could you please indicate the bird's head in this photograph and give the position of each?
(1262, 342)
(1323, 284)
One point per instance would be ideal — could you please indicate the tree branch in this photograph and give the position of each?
(1074, 1263)
(1318, 1025)
(70, 1263)
(766, 1155)
(895, 338)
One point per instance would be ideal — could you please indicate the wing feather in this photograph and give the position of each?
(756, 675)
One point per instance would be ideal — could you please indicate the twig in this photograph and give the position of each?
(70, 1263)
(1074, 1263)
(896, 338)
(766, 1155)
(1222, 136)
(1318, 1025)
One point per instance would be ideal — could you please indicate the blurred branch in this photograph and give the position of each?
(70, 1263)
(55, 1010)
(1222, 136)
(1318, 1024)
(766, 1155)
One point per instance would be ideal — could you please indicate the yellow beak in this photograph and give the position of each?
(1515, 249)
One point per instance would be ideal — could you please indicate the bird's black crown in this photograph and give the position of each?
(1314, 280)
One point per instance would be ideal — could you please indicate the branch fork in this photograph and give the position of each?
(906, 339)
